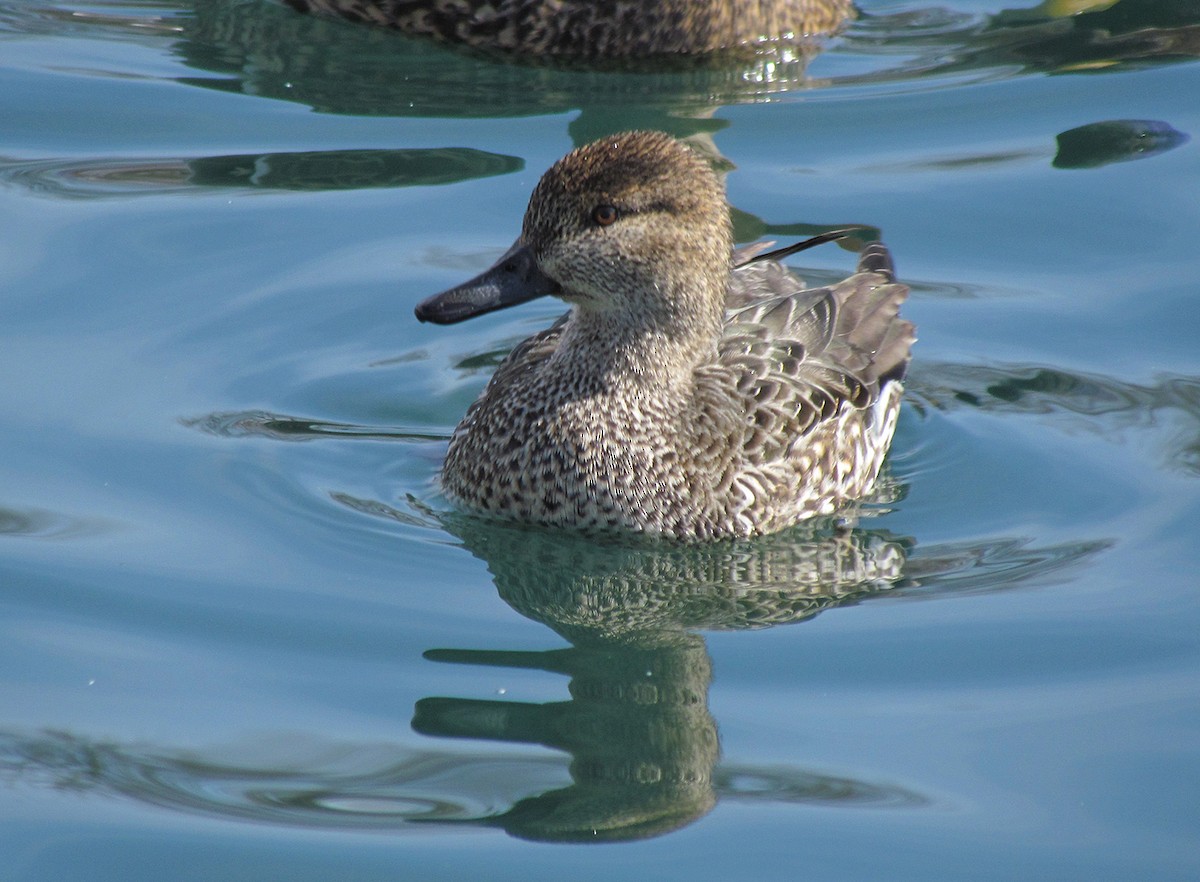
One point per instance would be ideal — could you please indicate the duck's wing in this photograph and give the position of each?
(800, 355)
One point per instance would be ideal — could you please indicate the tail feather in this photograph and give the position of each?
(876, 258)
(868, 318)
(895, 352)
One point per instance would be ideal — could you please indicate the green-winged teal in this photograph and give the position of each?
(692, 391)
(590, 29)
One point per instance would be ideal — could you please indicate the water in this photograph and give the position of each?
(242, 636)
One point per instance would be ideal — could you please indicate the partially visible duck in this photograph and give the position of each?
(589, 30)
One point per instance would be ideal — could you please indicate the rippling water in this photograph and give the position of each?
(243, 636)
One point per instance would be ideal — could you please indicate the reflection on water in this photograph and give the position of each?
(637, 728)
(322, 171)
(1092, 402)
(267, 50)
(304, 784)
(309, 170)
(1117, 140)
(643, 745)
(38, 523)
(1089, 146)
(106, 19)
(243, 424)
(1049, 37)
(337, 786)
(589, 588)
(633, 749)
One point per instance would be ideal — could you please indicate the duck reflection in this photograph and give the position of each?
(643, 745)
(642, 741)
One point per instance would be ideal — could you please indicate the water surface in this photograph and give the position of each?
(242, 635)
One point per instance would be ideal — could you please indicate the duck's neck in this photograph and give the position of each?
(613, 349)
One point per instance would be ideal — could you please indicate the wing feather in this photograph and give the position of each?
(802, 355)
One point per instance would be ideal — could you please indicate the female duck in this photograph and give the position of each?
(690, 392)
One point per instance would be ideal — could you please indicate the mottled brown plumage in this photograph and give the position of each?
(599, 29)
(691, 391)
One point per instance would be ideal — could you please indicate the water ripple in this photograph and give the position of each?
(161, 17)
(1092, 402)
(362, 788)
(321, 170)
(1077, 38)
(990, 565)
(278, 427)
(37, 523)
(788, 785)
(334, 788)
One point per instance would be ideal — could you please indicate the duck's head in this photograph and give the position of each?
(634, 226)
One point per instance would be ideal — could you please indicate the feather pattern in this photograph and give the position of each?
(704, 397)
(590, 30)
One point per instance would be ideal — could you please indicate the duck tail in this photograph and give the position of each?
(869, 317)
(875, 258)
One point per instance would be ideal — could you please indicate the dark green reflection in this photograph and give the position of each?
(642, 742)
(643, 746)
(301, 170)
(1094, 402)
(351, 169)
(1115, 140)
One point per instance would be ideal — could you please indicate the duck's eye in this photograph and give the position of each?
(604, 215)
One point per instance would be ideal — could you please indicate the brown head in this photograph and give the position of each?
(633, 230)
(636, 223)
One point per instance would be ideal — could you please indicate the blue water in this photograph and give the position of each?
(242, 636)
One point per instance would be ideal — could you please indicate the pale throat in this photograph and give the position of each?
(640, 346)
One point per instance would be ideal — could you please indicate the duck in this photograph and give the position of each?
(587, 30)
(693, 391)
